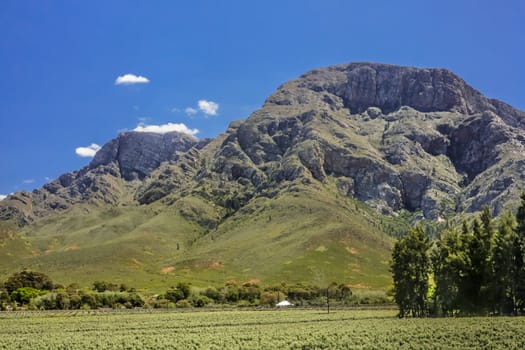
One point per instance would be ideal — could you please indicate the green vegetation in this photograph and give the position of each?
(110, 295)
(35, 291)
(276, 329)
(410, 268)
(480, 270)
(303, 234)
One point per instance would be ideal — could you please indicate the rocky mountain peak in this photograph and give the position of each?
(396, 138)
(388, 87)
(137, 154)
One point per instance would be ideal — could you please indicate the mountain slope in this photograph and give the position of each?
(284, 195)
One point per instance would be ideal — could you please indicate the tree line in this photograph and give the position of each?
(478, 269)
(35, 290)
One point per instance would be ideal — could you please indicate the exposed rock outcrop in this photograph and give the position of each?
(137, 154)
(393, 137)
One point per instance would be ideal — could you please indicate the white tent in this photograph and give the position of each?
(283, 303)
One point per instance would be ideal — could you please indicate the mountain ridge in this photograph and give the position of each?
(395, 139)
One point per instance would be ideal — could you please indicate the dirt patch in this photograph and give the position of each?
(210, 264)
(352, 250)
(167, 269)
(321, 249)
(216, 264)
(136, 264)
(253, 281)
(72, 247)
(359, 286)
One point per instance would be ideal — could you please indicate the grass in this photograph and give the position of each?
(276, 240)
(151, 247)
(266, 329)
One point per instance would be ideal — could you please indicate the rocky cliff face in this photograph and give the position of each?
(393, 137)
(111, 177)
(137, 154)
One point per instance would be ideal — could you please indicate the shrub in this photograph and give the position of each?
(25, 294)
(201, 301)
(184, 303)
(35, 280)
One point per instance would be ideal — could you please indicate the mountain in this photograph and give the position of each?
(302, 190)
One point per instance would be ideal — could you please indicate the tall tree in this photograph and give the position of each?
(410, 269)
(448, 264)
(519, 258)
(474, 287)
(26, 278)
(502, 293)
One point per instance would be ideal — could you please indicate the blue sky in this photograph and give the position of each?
(59, 62)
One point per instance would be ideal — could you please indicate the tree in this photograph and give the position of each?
(502, 293)
(174, 295)
(185, 289)
(26, 278)
(518, 256)
(474, 287)
(180, 292)
(410, 269)
(102, 286)
(24, 295)
(448, 262)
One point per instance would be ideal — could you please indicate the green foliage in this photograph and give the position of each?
(448, 263)
(36, 280)
(410, 271)
(183, 304)
(518, 260)
(478, 271)
(132, 244)
(25, 295)
(88, 300)
(200, 300)
(174, 295)
(102, 286)
(182, 291)
(261, 329)
(185, 289)
(502, 288)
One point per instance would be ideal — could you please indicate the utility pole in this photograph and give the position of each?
(327, 300)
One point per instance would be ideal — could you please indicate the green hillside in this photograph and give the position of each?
(302, 191)
(301, 235)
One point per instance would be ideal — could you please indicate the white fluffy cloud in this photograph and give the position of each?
(208, 107)
(88, 151)
(2, 197)
(164, 128)
(128, 79)
(190, 111)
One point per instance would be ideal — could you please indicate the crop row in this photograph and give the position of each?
(290, 329)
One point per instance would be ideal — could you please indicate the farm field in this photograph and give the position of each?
(271, 329)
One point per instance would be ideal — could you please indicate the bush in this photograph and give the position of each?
(174, 295)
(201, 301)
(35, 280)
(185, 289)
(214, 294)
(24, 295)
(231, 294)
(184, 303)
(268, 298)
(102, 286)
